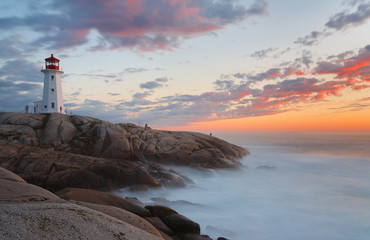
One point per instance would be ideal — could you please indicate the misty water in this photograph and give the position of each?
(310, 186)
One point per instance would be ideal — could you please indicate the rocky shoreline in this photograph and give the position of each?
(73, 156)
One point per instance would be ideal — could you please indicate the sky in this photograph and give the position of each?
(196, 65)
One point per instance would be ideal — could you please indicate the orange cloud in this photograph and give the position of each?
(355, 67)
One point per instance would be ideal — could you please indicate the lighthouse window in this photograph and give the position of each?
(52, 105)
(52, 90)
(52, 77)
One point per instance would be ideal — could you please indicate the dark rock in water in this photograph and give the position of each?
(92, 196)
(181, 225)
(139, 188)
(160, 211)
(136, 201)
(166, 177)
(164, 201)
(158, 224)
(267, 167)
(195, 237)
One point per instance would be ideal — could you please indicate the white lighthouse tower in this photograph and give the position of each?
(52, 98)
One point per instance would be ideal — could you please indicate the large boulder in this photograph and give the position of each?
(159, 224)
(11, 191)
(28, 211)
(56, 170)
(160, 211)
(182, 225)
(31, 120)
(8, 175)
(64, 221)
(123, 215)
(97, 197)
(59, 130)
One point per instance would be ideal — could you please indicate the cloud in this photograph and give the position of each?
(346, 19)
(364, 99)
(162, 79)
(113, 94)
(357, 67)
(262, 53)
(10, 47)
(138, 100)
(135, 70)
(287, 88)
(150, 85)
(341, 56)
(351, 107)
(272, 73)
(20, 84)
(15, 96)
(235, 100)
(145, 25)
(313, 38)
(223, 12)
(306, 58)
(21, 70)
(141, 96)
(157, 83)
(224, 84)
(339, 21)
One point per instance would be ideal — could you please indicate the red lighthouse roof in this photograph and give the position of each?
(52, 58)
(52, 63)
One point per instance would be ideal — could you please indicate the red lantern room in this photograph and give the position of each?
(52, 63)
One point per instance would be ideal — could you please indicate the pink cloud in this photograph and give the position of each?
(355, 67)
(142, 24)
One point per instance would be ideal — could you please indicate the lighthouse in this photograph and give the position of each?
(52, 97)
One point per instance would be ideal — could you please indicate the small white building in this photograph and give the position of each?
(52, 97)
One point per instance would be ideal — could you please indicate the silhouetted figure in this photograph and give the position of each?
(34, 109)
(210, 134)
(27, 108)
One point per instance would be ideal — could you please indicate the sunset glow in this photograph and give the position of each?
(210, 65)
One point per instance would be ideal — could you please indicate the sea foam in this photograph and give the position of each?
(293, 186)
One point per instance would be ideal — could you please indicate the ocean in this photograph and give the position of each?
(292, 186)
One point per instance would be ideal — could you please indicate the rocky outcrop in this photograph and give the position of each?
(97, 197)
(62, 153)
(169, 224)
(56, 170)
(8, 175)
(28, 210)
(56, 151)
(123, 215)
(64, 221)
(94, 137)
